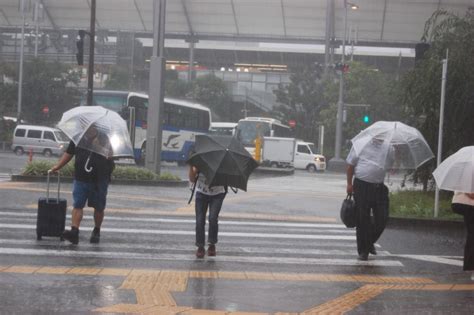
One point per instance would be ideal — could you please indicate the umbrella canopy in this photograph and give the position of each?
(97, 129)
(392, 145)
(457, 171)
(223, 160)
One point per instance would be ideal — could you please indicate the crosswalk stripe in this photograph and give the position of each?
(233, 234)
(191, 257)
(227, 248)
(224, 222)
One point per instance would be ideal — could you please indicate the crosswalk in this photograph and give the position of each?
(153, 240)
(4, 177)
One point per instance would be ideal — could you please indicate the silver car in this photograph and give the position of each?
(39, 139)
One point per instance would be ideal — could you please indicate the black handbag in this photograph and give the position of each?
(349, 212)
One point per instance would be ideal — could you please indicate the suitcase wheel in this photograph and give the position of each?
(38, 236)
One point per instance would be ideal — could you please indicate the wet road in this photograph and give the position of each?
(281, 250)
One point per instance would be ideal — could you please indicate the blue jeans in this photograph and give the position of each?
(214, 203)
(95, 194)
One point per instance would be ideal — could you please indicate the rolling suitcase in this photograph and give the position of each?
(51, 215)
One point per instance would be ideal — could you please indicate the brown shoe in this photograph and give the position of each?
(200, 252)
(211, 251)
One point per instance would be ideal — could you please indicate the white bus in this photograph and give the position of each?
(248, 129)
(182, 121)
(223, 128)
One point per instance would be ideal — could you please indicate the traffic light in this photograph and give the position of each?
(80, 48)
(366, 119)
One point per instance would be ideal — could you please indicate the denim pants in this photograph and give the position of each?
(369, 198)
(214, 203)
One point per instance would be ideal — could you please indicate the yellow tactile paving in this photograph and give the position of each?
(204, 274)
(53, 270)
(231, 275)
(348, 301)
(21, 269)
(114, 272)
(84, 271)
(437, 287)
(259, 275)
(286, 276)
(463, 287)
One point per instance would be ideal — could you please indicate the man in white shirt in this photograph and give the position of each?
(365, 180)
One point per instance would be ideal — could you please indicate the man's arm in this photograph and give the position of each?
(350, 175)
(192, 174)
(63, 161)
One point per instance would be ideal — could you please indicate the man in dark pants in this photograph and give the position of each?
(365, 180)
(92, 174)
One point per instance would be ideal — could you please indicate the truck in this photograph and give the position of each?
(306, 157)
(278, 152)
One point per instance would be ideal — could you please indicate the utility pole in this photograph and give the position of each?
(156, 93)
(90, 71)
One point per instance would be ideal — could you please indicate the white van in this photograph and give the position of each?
(39, 139)
(305, 158)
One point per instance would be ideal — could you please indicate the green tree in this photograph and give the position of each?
(212, 92)
(302, 100)
(422, 90)
(50, 84)
(119, 79)
(174, 86)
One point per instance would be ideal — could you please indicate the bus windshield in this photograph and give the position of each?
(248, 131)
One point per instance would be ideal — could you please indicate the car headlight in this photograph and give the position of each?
(316, 159)
(61, 146)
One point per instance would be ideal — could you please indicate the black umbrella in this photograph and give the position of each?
(223, 160)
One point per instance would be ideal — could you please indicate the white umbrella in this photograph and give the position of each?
(392, 145)
(457, 171)
(97, 129)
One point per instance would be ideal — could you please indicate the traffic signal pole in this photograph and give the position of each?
(90, 71)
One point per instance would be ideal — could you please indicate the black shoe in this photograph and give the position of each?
(211, 251)
(363, 257)
(372, 250)
(95, 236)
(71, 236)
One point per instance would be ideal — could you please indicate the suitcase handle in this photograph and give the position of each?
(47, 190)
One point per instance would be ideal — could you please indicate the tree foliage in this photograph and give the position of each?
(119, 79)
(212, 92)
(50, 84)
(302, 100)
(422, 85)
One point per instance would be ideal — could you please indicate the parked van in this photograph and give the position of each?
(305, 157)
(39, 139)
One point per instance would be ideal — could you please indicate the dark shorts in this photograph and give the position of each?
(94, 193)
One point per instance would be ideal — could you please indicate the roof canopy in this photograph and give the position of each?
(376, 22)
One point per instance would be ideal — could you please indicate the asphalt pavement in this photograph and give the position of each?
(282, 250)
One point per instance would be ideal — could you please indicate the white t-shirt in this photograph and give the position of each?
(365, 169)
(460, 197)
(203, 188)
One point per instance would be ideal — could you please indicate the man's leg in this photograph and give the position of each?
(381, 212)
(469, 246)
(98, 200)
(215, 205)
(79, 194)
(201, 204)
(362, 198)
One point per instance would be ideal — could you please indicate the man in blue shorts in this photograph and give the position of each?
(92, 173)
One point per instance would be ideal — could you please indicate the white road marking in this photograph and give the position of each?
(191, 257)
(175, 232)
(224, 222)
(433, 258)
(226, 248)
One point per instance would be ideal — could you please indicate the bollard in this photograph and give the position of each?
(258, 149)
(30, 156)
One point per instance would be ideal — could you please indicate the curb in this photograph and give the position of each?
(167, 183)
(408, 223)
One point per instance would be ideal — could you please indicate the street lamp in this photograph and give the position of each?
(337, 163)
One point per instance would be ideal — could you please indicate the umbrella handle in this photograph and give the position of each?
(88, 170)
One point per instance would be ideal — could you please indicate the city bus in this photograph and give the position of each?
(248, 129)
(182, 121)
(223, 128)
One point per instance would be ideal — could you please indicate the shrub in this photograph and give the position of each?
(40, 168)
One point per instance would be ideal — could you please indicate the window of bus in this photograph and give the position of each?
(115, 102)
(248, 131)
(141, 108)
(281, 131)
